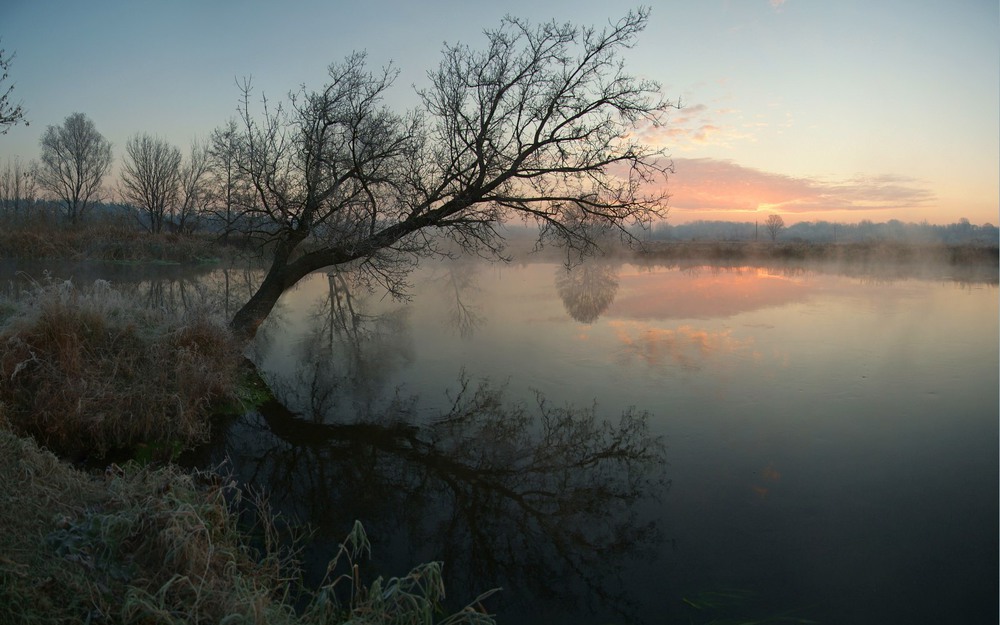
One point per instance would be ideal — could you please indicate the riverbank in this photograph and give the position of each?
(155, 544)
(106, 240)
(89, 372)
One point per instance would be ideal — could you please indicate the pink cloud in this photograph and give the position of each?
(720, 185)
(693, 127)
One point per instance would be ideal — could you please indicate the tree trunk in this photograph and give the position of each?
(280, 277)
(247, 319)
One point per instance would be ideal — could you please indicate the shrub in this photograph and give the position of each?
(88, 371)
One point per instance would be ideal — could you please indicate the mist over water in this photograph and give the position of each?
(636, 442)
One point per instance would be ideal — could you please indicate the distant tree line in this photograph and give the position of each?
(961, 232)
(161, 190)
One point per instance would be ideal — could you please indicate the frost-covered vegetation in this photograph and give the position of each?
(88, 370)
(84, 371)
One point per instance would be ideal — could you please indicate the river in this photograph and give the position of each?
(649, 443)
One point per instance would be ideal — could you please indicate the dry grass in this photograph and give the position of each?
(85, 371)
(110, 240)
(135, 545)
(159, 546)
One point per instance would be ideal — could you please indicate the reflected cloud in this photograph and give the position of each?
(767, 478)
(685, 346)
(704, 292)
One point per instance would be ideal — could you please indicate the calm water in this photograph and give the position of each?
(831, 442)
(828, 437)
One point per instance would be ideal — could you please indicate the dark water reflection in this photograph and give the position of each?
(829, 433)
(540, 500)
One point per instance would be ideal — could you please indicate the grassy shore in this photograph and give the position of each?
(86, 372)
(106, 240)
(157, 545)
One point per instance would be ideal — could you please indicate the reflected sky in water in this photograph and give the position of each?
(831, 438)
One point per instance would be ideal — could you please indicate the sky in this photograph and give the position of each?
(814, 110)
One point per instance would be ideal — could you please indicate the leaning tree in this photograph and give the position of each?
(541, 123)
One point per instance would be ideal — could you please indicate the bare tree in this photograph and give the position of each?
(151, 178)
(229, 187)
(18, 188)
(194, 190)
(75, 158)
(774, 225)
(539, 124)
(10, 114)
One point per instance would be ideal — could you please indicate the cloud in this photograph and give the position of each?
(777, 4)
(721, 185)
(694, 127)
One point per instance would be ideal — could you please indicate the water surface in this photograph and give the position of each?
(831, 440)
(633, 443)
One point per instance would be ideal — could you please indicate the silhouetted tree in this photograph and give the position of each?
(10, 114)
(194, 189)
(18, 187)
(151, 177)
(539, 124)
(229, 189)
(75, 158)
(774, 225)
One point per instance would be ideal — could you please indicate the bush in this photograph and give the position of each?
(88, 371)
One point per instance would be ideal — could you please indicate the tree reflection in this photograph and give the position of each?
(587, 289)
(350, 353)
(211, 291)
(459, 288)
(539, 499)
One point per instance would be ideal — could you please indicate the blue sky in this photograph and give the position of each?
(814, 110)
